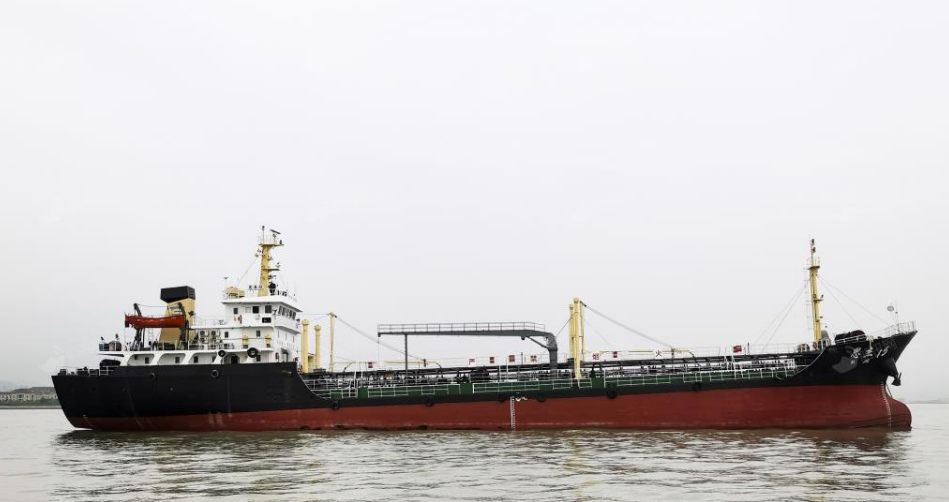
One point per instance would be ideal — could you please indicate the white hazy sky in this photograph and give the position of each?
(459, 161)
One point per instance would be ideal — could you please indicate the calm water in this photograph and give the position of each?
(42, 458)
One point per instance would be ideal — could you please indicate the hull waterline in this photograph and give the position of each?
(784, 408)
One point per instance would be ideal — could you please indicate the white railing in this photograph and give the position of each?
(287, 322)
(204, 322)
(594, 356)
(85, 371)
(898, 329)
(253, 290)
(515, 386)
(703, 376)
(350, 388)
(589, 357)
(341, 393)
(238, 320)
(424, 390)
(178, 346)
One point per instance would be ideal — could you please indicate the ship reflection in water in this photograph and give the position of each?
(567, 465)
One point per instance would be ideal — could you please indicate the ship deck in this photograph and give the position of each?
(512, 378)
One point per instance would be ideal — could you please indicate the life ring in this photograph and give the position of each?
(541, 398)
(335, 405)
(429, 401)
(697, 386)
(152, 376)
(215, 373)
(611, 394)
(221, 353)
(253, 352)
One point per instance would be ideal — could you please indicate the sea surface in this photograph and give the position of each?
(43, 458)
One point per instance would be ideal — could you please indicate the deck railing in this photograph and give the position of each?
(896, 329)
(901, 328)
(504, 383)
(202, 322)
(175, 347)
(85, 371)
(205, 323)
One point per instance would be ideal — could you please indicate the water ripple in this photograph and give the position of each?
(48, 461)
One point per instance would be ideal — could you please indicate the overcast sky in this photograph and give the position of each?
(477, 161)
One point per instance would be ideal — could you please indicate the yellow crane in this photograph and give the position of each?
(577, 344)
(815, 298)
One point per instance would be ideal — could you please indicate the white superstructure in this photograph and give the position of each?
(259, 325)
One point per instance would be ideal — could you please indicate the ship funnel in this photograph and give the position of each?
(179, 300)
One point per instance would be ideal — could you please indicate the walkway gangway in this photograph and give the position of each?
(524, 330)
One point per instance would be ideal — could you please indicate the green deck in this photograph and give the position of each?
(552, 385)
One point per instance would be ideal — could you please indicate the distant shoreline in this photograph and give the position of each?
(41, 407)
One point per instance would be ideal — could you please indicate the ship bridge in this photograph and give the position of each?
(525, 330)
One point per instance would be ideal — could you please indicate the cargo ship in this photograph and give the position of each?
(253, 369)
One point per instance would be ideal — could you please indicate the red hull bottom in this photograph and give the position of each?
(814, 407)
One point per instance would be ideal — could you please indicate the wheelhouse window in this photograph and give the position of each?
(236, 309)
(265, 320)
(268, 309)
(256, 309)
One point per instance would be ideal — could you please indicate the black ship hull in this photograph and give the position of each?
(842, 386)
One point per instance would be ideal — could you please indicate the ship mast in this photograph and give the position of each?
(577, 344)
(305, 346)
(815, 298)
(333, 350)
(266, 245)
